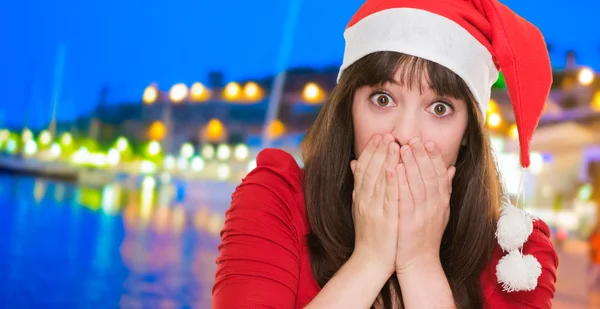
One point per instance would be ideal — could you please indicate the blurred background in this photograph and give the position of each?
(126, 125)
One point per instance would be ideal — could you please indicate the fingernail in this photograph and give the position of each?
(415, 141)
(430, 146)
(392, 148)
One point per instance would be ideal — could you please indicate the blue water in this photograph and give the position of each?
(63, 246)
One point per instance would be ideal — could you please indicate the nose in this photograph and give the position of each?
(405, 128)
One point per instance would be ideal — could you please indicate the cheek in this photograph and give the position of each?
(449, 145)
(366, 125)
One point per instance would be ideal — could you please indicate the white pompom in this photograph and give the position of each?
(517, 272)
(514, 227)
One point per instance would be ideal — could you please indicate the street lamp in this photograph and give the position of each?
(514, 132)
(178, 93)
(150, 94)
(232, 91)
(585, 76)
(494, 120)
(199, 93)
(157, 130)
(276, 129)
(252, 91)
(596, 101)
(312, 93)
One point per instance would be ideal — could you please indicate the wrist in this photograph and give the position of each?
(420, 265)
(371, 266)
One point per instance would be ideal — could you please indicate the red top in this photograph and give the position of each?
(264, 260)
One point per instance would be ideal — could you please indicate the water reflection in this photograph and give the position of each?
(109, 246)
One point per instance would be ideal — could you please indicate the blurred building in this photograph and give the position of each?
(566, 148)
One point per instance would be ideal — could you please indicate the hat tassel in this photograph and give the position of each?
(515, 271)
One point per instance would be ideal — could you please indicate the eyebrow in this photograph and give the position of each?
(423, 87)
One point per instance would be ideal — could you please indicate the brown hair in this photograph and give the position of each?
(327, 150)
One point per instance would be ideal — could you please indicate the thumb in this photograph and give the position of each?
(353, 165)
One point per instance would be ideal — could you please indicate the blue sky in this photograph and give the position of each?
(126, 45)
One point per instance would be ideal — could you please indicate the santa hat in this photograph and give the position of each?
(475, 39)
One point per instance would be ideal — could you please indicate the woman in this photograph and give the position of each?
(400, 202)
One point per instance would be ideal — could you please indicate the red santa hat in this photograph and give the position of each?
(475, 39)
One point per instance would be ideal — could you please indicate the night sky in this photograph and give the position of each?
(126, 45)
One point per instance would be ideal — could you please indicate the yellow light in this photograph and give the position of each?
(492, 106)
(208, 152)
(199, 93)
(197, 164)
(596, 101)
(45, 138)
(312, 93)
(81, 156)
(514, 132)
(178, 93)
(232, 91)
(169, 162)
(223, 171)
(241, 152)
(215, 131)
(114, 157)
(122, 144)
(157, 131)
(148, 182)
(26, 135)
(585, 76)
(55, 150)
(30, 148)
(98, 159)
(150, 94)
(147, 167)
(153, 148)
(187, 150)
(252, 91)
(66, 139)
(276, 129)
(494, 120)
(4, 135)
(223, 152)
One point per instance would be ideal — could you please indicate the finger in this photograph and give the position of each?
(406, 204)
(373, 170)
(451, 173)
(390, 207)
(363, 161)
(440, 168)
(428, 174)
(417, 189)
(353, 166)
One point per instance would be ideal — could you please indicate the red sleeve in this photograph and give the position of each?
(540, 246)
(259, 255)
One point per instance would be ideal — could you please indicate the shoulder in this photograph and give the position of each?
(540, 247)
(273, 187)
(276, 171)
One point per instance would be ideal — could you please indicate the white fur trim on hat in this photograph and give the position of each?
(426, 35)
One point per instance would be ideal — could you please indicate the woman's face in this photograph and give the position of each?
(409, 112)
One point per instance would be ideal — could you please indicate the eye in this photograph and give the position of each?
(441, 109)
(381, 99)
